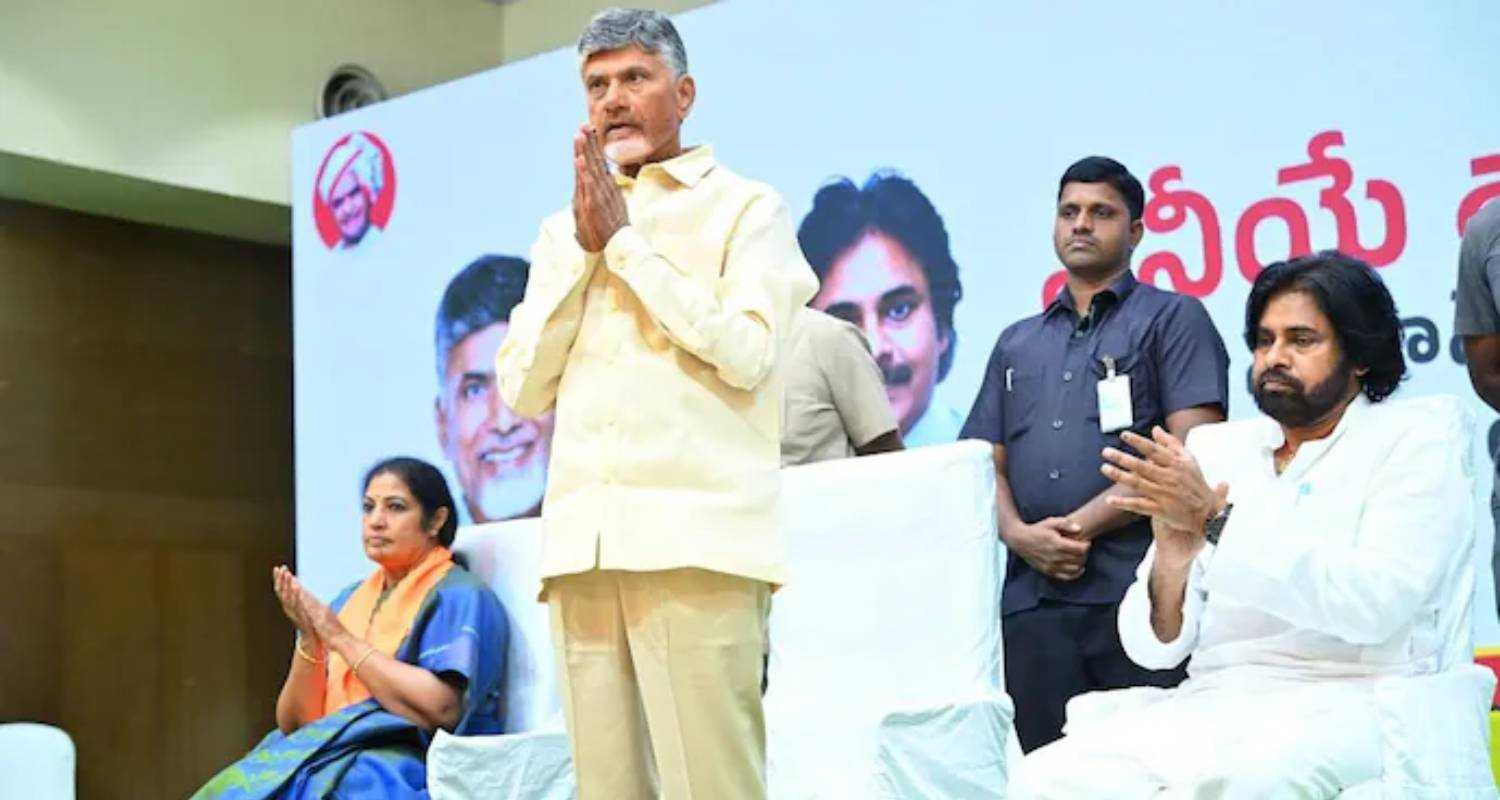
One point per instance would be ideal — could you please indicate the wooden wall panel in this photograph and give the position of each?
(203, 671)
(30, 634)
(110, 671)
(268, 647)
(145, 493)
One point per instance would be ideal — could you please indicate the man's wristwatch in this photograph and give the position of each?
(1215, 525)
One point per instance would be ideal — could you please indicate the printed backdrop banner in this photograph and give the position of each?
(1259, 130)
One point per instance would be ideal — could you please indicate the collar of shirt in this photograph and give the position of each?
(1116, 292)
(686, 168)
(1273, 437)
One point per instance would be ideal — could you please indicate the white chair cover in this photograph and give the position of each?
(37, 762)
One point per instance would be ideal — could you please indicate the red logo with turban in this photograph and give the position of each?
(355, 190)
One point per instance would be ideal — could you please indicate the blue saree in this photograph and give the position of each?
(363, 750)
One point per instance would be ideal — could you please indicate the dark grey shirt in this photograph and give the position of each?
(1040, 400)
(1478, 295)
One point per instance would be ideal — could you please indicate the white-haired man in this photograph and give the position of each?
(351, 184)
(653, 318)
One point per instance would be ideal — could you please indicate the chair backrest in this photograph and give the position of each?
(1456, 609)
(507, 557)
(893, 601)
(37, 762)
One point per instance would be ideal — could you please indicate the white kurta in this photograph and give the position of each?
(1348, 567)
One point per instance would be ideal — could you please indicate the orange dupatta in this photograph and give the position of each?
(386, 628)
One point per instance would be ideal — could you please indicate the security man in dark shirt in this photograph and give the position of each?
(1109, 354)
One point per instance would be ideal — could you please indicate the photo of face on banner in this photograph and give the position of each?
(355, 191)
(498, 456)
(882, 256)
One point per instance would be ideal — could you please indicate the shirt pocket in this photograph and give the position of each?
(1132, 362)
(1020, 402)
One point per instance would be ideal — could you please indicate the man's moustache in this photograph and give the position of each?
(898, 375)
(1280, 377)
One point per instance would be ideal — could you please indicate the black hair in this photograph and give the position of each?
(480, 295)
(890, 203)
(427, 485)
(1102, 169)
(1358, 306)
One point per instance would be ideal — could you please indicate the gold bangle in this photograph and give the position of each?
(303, 654)
(354, 668)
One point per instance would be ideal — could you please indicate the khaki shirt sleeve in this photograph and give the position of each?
(529, 363)
(737, 327)
(855, 382)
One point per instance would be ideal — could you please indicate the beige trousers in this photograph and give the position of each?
(661, 675)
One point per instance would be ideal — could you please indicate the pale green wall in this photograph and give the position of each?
(536, 26)
(180, 112)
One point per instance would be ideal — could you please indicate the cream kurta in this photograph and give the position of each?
(660, 355)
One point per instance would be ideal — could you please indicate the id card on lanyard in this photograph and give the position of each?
(1115, 412)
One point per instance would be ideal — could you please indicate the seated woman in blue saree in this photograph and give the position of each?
(419, 645)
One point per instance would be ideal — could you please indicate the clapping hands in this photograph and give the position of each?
(314, 620)
(1168, 485)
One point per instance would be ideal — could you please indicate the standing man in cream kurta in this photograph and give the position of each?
(652, 321)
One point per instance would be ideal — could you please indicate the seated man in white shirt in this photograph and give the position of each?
(1297, 558)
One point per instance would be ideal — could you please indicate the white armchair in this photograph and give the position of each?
(1435, 729)
(532, 761)
(507, 556)
(37, 762)
(885, 675)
